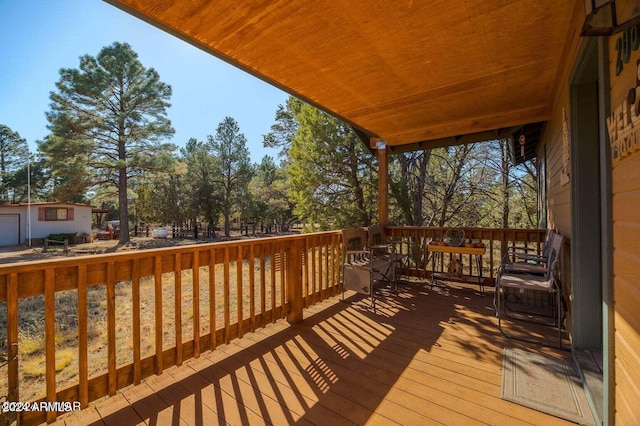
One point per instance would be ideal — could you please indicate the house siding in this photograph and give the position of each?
(81, 222)
(625, 189)
(625, 174)
(559, 193)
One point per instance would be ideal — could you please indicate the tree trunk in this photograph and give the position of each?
(356, 185)
(122, 189)
(505, 166)
(423, 160)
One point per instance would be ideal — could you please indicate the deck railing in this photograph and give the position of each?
(78, 329)
(81, 328)
(414, 241)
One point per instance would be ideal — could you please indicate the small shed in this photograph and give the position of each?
(45, 219)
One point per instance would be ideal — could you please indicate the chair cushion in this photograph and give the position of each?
(525, 282)
(525, 268)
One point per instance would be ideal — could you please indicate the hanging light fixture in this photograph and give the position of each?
(605, 18)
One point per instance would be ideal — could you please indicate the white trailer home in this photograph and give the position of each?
(42, 219)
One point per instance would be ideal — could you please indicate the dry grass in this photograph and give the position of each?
(31, 322)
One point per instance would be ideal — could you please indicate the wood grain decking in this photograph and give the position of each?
(424, 357)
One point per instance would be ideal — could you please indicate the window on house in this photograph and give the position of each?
(48, 214)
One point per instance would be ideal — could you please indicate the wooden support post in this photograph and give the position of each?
(383, 181)
(294, 281)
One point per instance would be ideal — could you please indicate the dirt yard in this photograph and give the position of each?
(13, 254)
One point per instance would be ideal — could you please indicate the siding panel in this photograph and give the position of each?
(626, 262)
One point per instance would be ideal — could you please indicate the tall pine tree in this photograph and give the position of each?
(14, 155)
(229, 146)
(108, 119)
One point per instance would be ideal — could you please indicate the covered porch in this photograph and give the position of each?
(407, 76)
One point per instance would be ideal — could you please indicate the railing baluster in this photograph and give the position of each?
(227, 302)
(252, 289)
(491, 269)
(273, 280)
(157, 266)
(313, 271)
(50, 338)
(282, 280)
(321, 288)
(135, 297)
(83, 337)
(326, 268)
(111, 328)
(263, 286)
(12, 338)
(212, 300)
(334, 277)
(195, 276)
(239, 293)
(305, 277)
(177, 306)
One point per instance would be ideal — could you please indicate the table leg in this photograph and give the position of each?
(480, 279)
(436, 259)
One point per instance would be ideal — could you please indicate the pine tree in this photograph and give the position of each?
(230, 148)
(107, 121)
(14, 155)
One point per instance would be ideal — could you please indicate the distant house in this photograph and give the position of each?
(46, 219)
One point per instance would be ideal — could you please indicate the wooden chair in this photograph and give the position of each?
(362, 270)
(547, 283)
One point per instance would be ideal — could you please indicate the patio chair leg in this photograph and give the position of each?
(499, 308)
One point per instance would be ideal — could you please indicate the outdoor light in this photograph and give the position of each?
(605, 18)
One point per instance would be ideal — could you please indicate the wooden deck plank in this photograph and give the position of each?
(117, 411)
(149, 406)
(358, 386)
(88, 416)
(423, 357)
(186, 404)
(290, 388)
(257, 396)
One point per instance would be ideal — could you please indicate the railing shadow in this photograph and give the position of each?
(338, 366)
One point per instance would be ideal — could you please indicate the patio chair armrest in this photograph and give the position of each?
(532, 257)
(524, 249)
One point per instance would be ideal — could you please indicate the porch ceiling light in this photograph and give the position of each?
(603, 18)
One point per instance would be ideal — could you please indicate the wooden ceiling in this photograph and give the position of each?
(414, 73)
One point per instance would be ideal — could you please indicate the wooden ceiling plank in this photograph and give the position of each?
(403, 70)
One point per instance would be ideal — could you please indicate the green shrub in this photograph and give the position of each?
(62, 237)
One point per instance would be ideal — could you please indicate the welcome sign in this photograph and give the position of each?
(623, 125)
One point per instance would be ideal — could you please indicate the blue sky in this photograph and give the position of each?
(38, 37)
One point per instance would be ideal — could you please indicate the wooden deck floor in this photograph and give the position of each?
(424, 357)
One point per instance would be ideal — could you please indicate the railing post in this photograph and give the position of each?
(294, 281)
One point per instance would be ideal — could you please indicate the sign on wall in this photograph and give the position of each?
(623, 125)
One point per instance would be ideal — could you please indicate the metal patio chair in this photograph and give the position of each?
(548, 284)
(519, 261)
(362, 269)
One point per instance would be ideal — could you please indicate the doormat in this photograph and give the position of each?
(544, 384)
